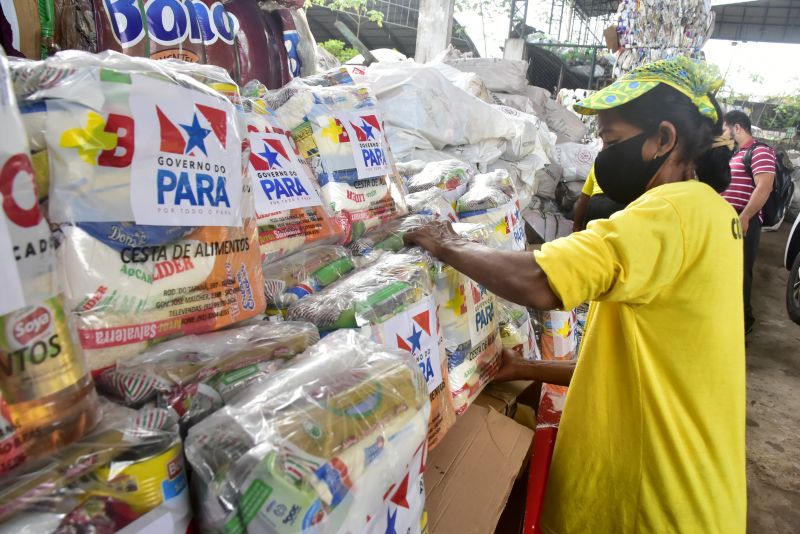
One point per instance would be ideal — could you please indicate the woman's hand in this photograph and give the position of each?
(514, 367)
(510, 366)
(432, 236)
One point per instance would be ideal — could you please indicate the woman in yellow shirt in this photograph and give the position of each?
(652, 437)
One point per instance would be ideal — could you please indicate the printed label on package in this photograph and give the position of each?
(517, 226)
(561, 326)
(26, 251)
(186, 168)
(332, 141)
(280, 182)
(13, 295)
(365, 130)
(416, 330)
(480, 306)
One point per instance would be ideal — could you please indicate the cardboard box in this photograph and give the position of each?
(612, 38)
(502, 397)
(470, 474)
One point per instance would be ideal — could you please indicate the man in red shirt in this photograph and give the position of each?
(748, 192)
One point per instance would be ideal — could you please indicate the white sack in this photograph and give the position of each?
(423, 103)
(565, 124)
(576, 160)
(499, 75)
(466, 81)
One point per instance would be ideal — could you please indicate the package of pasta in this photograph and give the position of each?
(450, 176)
(338, 129)
(308, 271)
(385, 238)
(319, 447)
(491, 201)
(290, 212)
(471, 334)
(127, 474)
(145, 178)
(392, 300)
(195, 375)
(516, 329)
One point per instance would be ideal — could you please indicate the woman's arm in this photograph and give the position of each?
(514, 276)
(551, 372)
(580, 213)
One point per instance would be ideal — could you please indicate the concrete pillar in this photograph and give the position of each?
(434, 29)
(514, 49)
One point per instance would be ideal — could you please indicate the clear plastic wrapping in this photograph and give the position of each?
(451, 176)
(516, 329)
(289, 208)
(339, 131)
(385, 238)
(195, 375)
(308, 271)
(146, 180)
(558, 342)
(322, 446)
(432, 202)
(122, 298)
(471, 334)
(491, 201)
(394, 301)
(27, 259)
(47, 394)
(558, 334)
(369, 295)
(130, 465)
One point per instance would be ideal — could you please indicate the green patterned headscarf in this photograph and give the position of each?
(694, 78)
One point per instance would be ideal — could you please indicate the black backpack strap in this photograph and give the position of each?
(748, 159)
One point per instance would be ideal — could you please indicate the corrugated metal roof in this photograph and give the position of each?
(776, 21)
(597, 8)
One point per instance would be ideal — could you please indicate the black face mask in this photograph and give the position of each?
(621, 172)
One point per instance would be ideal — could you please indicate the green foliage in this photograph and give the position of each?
(781, 112)
(786, 114)
(360, 8)
(338, 49)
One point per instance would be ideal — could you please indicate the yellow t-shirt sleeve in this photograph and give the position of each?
(589, 186)
(628, 258)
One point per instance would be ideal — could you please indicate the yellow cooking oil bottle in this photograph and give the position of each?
(50, 395)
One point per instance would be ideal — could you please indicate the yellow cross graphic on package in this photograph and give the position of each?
(564, 330)
(332, 131)
(457, 302)
(91, 140)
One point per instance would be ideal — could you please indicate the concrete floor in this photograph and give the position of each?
(773, 399)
